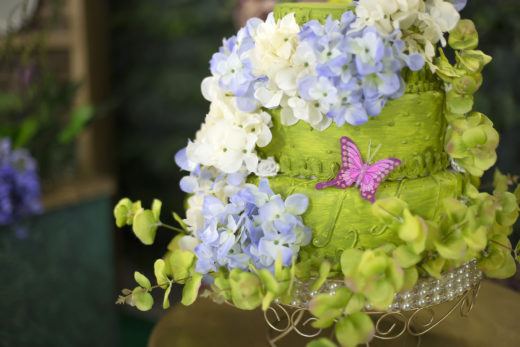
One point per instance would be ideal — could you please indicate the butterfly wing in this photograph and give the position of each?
(374, 175)
(352, 162)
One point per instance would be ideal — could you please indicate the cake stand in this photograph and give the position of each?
(412, 314)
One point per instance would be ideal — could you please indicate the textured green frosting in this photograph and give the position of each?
(304, 12)
(341, 219)
(411, 129)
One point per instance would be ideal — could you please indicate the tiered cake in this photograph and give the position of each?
(338, 146)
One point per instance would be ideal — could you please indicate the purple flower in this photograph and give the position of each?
(19, 184)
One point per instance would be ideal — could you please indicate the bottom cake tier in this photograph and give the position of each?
(342, 219)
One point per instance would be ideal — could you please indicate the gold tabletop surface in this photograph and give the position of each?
(494, 321)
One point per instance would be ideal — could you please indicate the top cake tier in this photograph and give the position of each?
(307, 11)
(411, 128)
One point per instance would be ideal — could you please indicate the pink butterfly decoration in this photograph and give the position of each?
(363, 175)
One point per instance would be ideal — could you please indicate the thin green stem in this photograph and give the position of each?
(182, 231)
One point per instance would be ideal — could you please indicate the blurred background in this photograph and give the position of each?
(103, 94)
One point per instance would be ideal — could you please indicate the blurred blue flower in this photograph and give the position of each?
(19, 184)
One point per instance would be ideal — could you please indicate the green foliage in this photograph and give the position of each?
(321, 342)
(323, 274)
(245, 289)
(142, 280)
(191, 289)
(78, 120)
(145, 226)
(161, 275)
(181, 265)
(327, 308)
(472, 142)
(125, 211)
(464, 36)
(354, 329)
(142, 299)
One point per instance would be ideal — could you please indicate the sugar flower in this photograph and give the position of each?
(254, 227)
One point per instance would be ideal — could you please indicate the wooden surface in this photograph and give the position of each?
(493, 322)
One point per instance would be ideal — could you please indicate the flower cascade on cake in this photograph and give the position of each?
(247, 228)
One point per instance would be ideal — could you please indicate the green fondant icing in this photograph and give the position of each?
(411, 129)
(341, 219)
(304, 12)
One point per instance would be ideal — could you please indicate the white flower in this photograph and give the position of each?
(275, 43)
(229, 136)
(188, 243)
(312, 112)
(432, 18)
(194, 219)
(267, 168)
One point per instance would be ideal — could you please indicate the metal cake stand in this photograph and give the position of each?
(414, 312)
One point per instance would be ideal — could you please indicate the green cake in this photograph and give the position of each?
(339, 149)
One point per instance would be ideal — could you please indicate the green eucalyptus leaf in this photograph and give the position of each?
(303, 270)
(327, 308)
(123, 212)
(474, 137)
(476, 237)
(389, 210)
(270, 283)
(517, 192)
(355, 329)
(174, 243)
(267, 300)
(464, 36)
(159, 269)
(434, 267)
(142, 299)
(350, 260)
(410, 277)
(372, 263)
(508, 268)
(466, 85)
(451, 248)
(321, 304)
(380, 294)
(457, 103)
(142, 280)
(405, 256)
(166, 297)
(224, 287)
(322, 277)
(473, 61)
(321, 342)
(191, 289)
(156, 209)
(355, 304)
(245, 289)
(181, 264)
(145, 226)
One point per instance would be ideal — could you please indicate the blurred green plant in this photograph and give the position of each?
(35, 104)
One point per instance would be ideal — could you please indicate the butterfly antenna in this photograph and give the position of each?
(369, 150)
(374, 154)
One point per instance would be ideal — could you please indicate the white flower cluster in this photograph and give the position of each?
(279, 55)
(423, 23)
(228, 138)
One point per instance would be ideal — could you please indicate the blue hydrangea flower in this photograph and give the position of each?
(255, 227)
(19, 184)
(357, 71)
(459, 4)
(234, 68)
